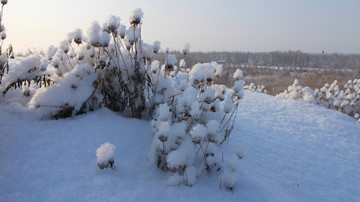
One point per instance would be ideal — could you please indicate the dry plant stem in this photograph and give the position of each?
(72, 48)
(117, 49)
(226, 137)
(72, 67)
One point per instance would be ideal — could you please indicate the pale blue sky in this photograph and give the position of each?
(207, 25)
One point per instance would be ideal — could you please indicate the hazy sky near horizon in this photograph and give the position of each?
(207, 25)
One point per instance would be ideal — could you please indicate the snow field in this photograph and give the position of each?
(291, 151)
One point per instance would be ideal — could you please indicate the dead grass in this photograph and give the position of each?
(276, 82)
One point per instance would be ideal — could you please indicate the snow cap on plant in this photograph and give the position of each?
(133, 34)
(164, 113)
(182, 64)
(155, 66)
(105, 152)
(3, 35)
(186, 49)
(94, 34)
(136, 17)
(198, 133)
(170, 62)
(105, 39)
(113, 24)
(77, 36)
(164, 131)
(156, 45)
(218, 69)
(238, 74)
(122, 31)
(213, 127)
(202, 73)
(2, 27)
(105, 156)
(148, 51)
(238, 88)
(65, 46)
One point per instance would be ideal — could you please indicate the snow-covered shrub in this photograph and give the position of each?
(194, 117)
(297, 92)
(23, 79)
(4, 63)
(105, 156)
(346, 99)
(106, 68)
(253, 88)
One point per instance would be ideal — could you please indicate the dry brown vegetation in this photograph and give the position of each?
(278, 81)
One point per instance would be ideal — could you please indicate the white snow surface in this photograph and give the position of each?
(291, 151)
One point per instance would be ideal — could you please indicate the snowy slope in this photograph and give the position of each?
(292, 151)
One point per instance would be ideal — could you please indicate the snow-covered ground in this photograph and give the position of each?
(292, 151)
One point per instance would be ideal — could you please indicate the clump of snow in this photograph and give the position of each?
(156, 45)
(238, 74)
(198, 133)
(164, 113)
(213, 127)
(253, 88)
(202, 73)
(105, 156)
(186, 49)
(65, 46)
(94, 34)
(136, 16)
(105, 152)
(122, 31)
(170, 61)
(296, 92)
(190, 175)
(70, 92)
(133, 34)
(182, 157)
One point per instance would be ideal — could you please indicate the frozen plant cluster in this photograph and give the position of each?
(346, 99)
(194, 118)
(297, 92)
(332, 96)
(105, 156)
(255, 88)
(4, 63)
(111, 66)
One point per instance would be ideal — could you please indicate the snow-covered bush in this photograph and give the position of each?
(346, 99)
(18, 84)
(4, 63)
(109, 67)
(253, 88)
(297, 92)
(194, 117)
(105, 156)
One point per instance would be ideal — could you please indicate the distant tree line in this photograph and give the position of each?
(276, 58)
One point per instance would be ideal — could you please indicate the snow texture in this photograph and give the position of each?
(291, 151)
